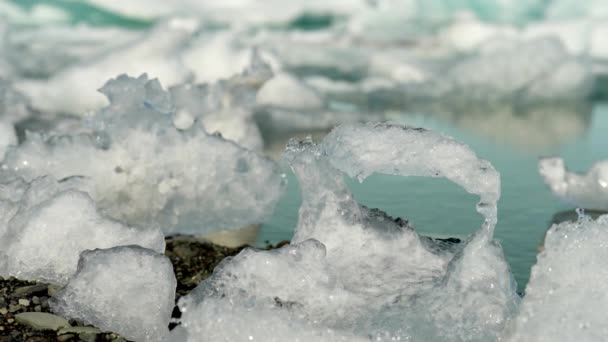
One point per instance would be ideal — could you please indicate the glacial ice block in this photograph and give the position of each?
(355, 271)
(589, 190)
(145, 169)
(128, 289)
(566, 297)
(46, 224)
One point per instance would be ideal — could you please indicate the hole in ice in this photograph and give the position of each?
(420, 200)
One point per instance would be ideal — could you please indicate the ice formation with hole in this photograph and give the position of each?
(353, 271)
(129, 290)
(566, 299)
(588, 190)
(45, 224)
(144, 169)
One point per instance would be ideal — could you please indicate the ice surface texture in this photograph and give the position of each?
(145, 169)
(355, 271)
(44, 225)
(129, 290)
(589, 190)
(566, 298)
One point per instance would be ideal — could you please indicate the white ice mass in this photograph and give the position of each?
(588, 190)
(45, 224)
(146, 170)
(566, 298)
(352, 271)
(129, 290)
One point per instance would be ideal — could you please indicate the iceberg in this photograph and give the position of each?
(339, 279)
(146, 170)
(589, 190)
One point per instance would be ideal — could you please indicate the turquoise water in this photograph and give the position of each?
(438, 207)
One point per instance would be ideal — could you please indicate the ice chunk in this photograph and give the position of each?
(566, 297)
(286, 91)
(589, 191)
(52, 223)
(144, 169)
(225, 106)
(530, 70)
(128, 289)
(339, 273)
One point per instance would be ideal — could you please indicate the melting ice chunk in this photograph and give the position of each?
(45, 225)
(144, 169)
(589, 191)
(566, 298)
(354, 271)
(128, 289)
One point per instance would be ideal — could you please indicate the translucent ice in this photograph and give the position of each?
(46, 224)
(128, 289)
(145, 169)
(589, 190)
(354, 271)
(566, 298)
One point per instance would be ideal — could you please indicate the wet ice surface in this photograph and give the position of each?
(588, 190)
(129, 290)
(339, 273)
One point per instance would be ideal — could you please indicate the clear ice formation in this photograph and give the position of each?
(127, 289)
(589, 190)
(566, 298)
(353, 273)
(45, 224)
(146, 170)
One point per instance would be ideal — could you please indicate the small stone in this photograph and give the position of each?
(14, 308)
(36, 300)
(38, 308)
(65, 337)
(28, 290)
(44, 301)
(3, 311)
(24, 302)
(42, 320)
(10, 320)
(3, 303)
